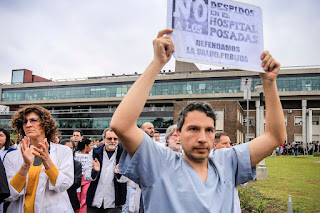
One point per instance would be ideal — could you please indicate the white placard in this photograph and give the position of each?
(223, 33)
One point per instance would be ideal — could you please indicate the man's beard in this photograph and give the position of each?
(111, 146)
(174, 146)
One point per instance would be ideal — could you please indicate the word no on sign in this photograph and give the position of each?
(224, 33)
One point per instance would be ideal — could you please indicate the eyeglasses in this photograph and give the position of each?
(110, 139)
(31, 120)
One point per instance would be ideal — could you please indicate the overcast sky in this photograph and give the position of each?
(80, 38)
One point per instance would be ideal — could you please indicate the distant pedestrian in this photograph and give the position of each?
(108, 189)
(72, 191)
(84, 148)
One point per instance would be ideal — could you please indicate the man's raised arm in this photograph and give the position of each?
(275, 131)
(124, 120)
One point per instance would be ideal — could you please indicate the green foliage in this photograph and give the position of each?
(13, 137)
(261, 206)
(298, 176)
(251, 200)
(246, 200)
(316, 154)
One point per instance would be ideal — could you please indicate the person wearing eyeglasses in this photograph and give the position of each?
(108, 189)
(172, 138)
(40, 171)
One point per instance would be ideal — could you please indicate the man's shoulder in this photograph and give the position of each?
(120, 148)
(98, 150)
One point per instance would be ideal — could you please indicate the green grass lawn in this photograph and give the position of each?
(288, 175)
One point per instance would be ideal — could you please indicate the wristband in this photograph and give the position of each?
(27, 167)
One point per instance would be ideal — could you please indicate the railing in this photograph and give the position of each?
(7, 113)
(102, 110)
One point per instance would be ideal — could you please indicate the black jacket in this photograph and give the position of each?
(72, 191)
(119, 188)
(4, 189)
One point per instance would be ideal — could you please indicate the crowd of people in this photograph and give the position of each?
(129, 170)
(88, 159)
(297, 148)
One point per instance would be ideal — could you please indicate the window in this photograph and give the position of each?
(251, 121)
(250, 137)
(298, 121)
(176, 88)
(220, 120)
(298, 138)
(238, 116)
(285, 120)
(315, 120)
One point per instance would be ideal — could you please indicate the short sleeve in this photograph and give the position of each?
(233, 164)
(149, 159)
(244, 171)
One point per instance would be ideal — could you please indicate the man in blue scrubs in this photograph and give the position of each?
(192, 181)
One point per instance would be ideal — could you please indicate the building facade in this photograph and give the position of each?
(89, 104)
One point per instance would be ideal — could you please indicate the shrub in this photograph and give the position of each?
(316, 154)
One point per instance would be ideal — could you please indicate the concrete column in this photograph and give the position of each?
(262, 170)
(309, 127)
(257, 118)
(304, 123)
(261, 120)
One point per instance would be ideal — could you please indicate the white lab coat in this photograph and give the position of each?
(104, 195)
(49, 198)
(135, 196)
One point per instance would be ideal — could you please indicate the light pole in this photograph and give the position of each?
(246, 88)
(262, 170)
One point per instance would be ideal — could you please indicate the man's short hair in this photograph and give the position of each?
(66, 140)
(169, 131)
(156, 131)
(105, 131)
(78, 130)
(218, 136)
(46, 121)
(195, 106)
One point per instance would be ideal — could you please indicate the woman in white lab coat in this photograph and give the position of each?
(39, 172)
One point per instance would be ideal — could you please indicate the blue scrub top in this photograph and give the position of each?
(170, 184)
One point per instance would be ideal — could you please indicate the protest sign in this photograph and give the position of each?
(221, 32)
